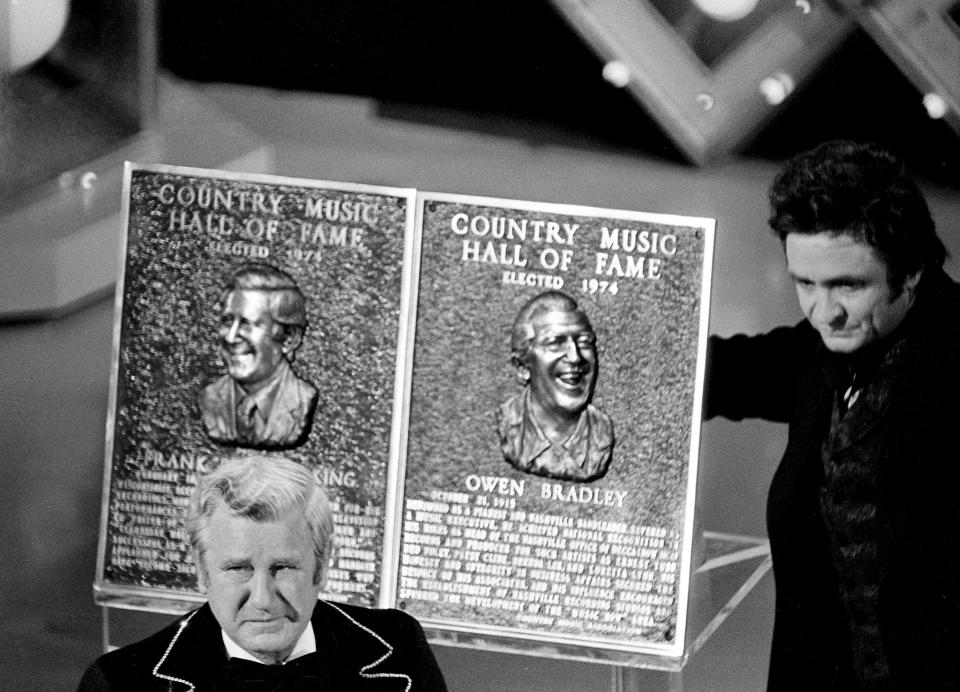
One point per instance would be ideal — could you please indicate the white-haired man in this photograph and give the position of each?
(261, 531)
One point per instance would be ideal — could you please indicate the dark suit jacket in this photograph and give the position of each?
(364, 650)
(912, 434)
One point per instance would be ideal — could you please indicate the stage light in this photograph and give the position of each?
(617, 73)
(935, 105)
(28, 30)
(726, 10)
(776, 88)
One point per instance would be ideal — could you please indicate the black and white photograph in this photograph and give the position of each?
(593, 346)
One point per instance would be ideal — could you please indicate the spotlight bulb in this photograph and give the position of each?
(28, 30)
(935, 105)
(726, 10)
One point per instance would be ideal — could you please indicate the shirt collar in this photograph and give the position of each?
(265, 395)
(306, 644)
(575, 444)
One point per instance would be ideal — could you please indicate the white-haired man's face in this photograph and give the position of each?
(260, 581)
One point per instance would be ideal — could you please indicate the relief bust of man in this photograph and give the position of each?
(260, 402)
(550, 428)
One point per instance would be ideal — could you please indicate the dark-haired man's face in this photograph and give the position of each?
(250, 338)
(562, 363)
(843, 290)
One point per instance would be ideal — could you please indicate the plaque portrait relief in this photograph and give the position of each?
(550, 428)
(260, 402)
(549, 486)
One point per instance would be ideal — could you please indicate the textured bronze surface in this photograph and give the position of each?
(176, 266)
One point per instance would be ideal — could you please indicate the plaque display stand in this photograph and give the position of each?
(732, 566)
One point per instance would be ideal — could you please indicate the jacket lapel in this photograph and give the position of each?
(357, 658)
(286, 412)
(873, 401)
(360, 657)
(194, 652)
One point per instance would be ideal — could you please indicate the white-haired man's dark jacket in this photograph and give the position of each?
(360, 650)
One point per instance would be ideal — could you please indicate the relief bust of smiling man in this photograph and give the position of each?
(550, 428)
(260, 402)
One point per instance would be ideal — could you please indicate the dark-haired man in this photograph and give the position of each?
(550, 428)
(863, 518)
(260, 402)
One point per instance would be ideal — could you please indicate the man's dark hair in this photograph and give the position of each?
(861, 191)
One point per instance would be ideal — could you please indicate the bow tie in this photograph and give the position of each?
(249, 676)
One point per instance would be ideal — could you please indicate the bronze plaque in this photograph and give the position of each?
(554, 417)
(255, 315)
